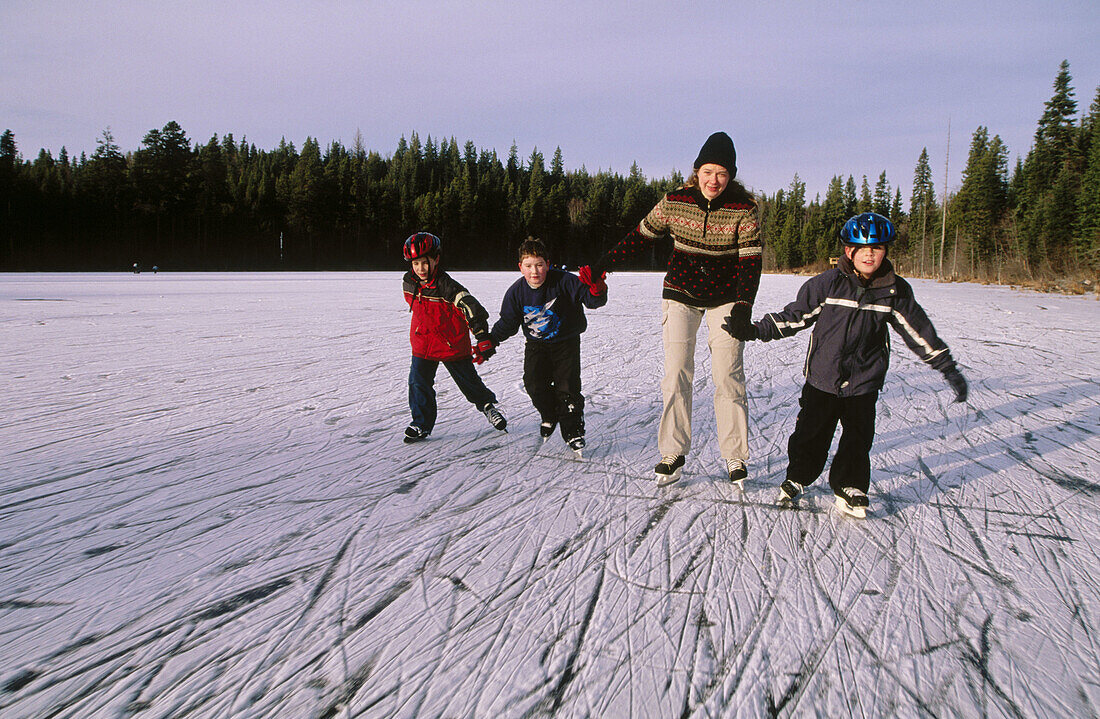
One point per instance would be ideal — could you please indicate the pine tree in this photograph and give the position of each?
(866, 200)
(982, 199)
(1086, 235)
(303, 201)
(851, 203)
(1054, 138)
(1048, 170)
(881, 200)
(834, 215)
(790, 233)
(922, 204)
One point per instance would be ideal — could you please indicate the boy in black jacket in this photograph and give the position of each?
(549, 305)
(849, 307)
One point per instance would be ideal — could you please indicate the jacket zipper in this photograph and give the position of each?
(861, 291)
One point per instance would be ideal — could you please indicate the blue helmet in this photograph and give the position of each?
(421, 244)
(868, 228)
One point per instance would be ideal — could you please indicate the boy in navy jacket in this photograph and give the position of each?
(549, 305)
(849, 307)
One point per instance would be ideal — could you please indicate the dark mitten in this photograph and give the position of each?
(483, 350)
(746, 332)
(739, 323)
(596, 286)
(958, 383)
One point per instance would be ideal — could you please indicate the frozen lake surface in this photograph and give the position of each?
(206, 510)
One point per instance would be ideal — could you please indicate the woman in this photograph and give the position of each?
(713, 272)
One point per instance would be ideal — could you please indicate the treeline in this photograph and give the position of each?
(1041, 220)
(227, 205)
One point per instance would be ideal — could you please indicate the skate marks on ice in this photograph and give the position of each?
(208, 511)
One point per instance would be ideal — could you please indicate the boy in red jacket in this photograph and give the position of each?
(443, 315)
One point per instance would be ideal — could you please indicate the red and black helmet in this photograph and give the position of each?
(421, 244)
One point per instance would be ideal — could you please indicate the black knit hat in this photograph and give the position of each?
(718, 149)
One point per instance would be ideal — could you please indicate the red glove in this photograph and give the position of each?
(483, 350)
(596, 287)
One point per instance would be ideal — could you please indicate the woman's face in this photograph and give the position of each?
(712, 180)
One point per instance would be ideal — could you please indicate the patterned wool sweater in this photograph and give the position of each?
(716, 250)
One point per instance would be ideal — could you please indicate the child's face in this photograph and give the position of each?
(866, 258)
(424, 267)
(534, 270)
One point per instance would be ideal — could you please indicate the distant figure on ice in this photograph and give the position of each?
(549, 305)
(135, 269)
(849, 307)
(714, 270)
(443, 315)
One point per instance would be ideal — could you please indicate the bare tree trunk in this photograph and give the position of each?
(955, 259)
(943, 224)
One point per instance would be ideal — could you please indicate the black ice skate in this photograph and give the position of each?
(668, 469)
(737, 472)
(852, 501)
(546, 430)
(414, 434)
(495, 417)
(577, 444)
(789, 491)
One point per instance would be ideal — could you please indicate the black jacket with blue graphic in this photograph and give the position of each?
(550, 313)
(849, 349)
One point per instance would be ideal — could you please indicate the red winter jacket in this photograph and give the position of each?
(443, 315)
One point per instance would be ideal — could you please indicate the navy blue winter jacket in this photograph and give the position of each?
(550, 313)
(849, 350)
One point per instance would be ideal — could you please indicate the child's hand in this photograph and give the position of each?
(596, 287)
(739, 324)
(483, 350)
(958, 383)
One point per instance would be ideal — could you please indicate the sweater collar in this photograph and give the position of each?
(702, 200)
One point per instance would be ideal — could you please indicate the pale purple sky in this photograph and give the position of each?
(809, 87)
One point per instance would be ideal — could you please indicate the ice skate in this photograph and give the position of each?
(853, 502)
(577, 444)
(414, 434)
(546, 430)
(495, 417)
(668, 470)
(789, 491)
(737, 472)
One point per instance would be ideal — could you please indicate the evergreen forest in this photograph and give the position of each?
(228, 205)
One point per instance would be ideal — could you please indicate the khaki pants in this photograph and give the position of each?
(679, 327)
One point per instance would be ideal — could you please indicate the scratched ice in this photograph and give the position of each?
(206, 510)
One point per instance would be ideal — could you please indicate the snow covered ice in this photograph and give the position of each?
(207, 510)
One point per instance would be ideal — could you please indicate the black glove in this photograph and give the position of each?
(958, 383)
(739, 323)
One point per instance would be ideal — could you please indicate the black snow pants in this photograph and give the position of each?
(808, 447)
(552, 378)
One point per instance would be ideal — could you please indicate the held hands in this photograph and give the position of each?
(595, 286)
(483, 350)
(958, 383)
(739, 323)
